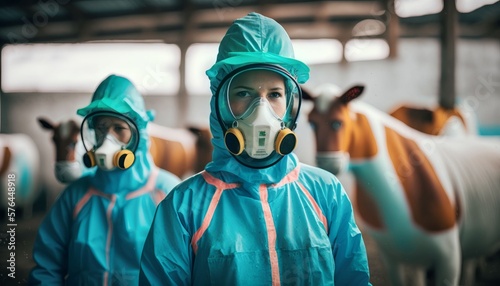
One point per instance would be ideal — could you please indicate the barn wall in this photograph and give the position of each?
(414, 76)
(411, 78)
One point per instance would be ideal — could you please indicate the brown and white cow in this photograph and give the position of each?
(19, 174)
(458, 121)
(429, 202)
(180, 151)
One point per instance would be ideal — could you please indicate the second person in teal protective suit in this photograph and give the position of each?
(95, 231)
(256, 215)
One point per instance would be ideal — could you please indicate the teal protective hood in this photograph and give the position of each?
(118, 94)
(252, 39)
(255, 39)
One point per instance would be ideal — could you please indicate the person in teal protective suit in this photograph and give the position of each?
(95, 231)
(255, 215)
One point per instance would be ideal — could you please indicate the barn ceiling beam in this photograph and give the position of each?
(318, 19)
(156, 23)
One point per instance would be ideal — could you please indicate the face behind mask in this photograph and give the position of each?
(107, 155)
(257, 107)
(260, 130)
(260, 133)
(110, 140)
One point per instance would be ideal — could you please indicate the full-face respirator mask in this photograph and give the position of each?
(112, 138)
(257, 107)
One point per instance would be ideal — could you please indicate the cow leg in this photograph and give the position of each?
(447, 267)
(395, 270)
(419, 277)
(413, 275)
(468, 273)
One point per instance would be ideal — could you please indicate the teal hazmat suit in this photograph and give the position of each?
(289, 223)
(95, 231)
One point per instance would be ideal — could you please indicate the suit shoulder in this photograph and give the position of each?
(76, 189)
(191, 183)
(193, 191)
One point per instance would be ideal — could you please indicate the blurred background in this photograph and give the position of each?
(54, 53)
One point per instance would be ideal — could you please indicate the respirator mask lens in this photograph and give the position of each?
(240, 91)
(110, 140)
(257, 107)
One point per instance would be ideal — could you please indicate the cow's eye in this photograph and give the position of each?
(336, 124)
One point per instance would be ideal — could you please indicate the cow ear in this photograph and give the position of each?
(352, 93)
(75, 125)
(45, 123)
(195, 130)
(306, 94)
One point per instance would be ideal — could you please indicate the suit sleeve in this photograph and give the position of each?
(50, 251)
(167, 253)
(351, 262)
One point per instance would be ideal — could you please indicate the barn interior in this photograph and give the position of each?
(55, 53)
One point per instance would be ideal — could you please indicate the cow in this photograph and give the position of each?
(181, 151)
(19, 174)
(457, 121)
(429, 202)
